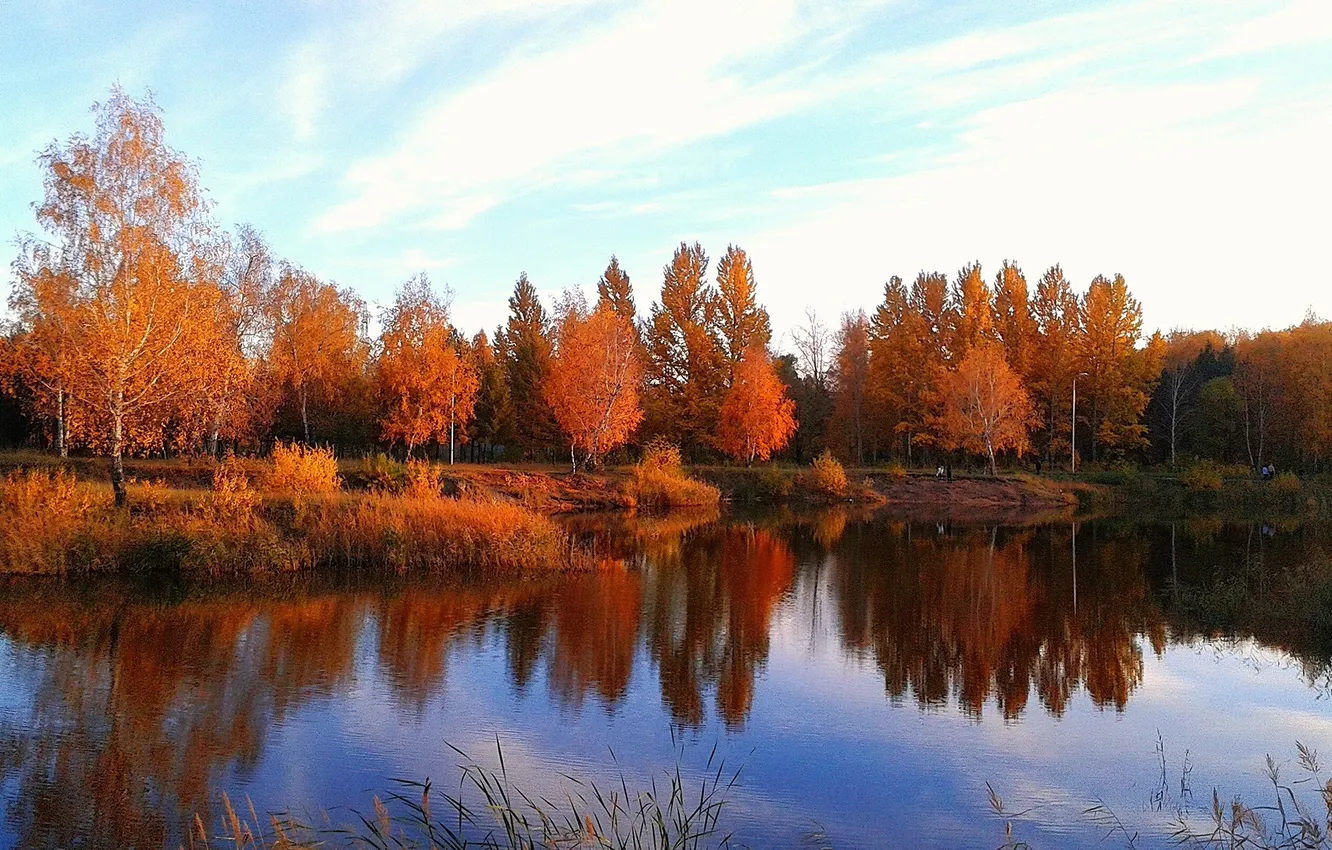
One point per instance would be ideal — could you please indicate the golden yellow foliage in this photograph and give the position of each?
(303, 470)
(827, 477)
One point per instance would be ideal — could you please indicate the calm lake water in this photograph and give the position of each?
(870, 675)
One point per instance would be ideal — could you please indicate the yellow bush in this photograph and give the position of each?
(43, 513)
(232, 499)
(303, 470)
(424, 480)
(827, 477)
(660, 480)
(896, 472)
(1203, 476)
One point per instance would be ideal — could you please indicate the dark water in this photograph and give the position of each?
(871, 676)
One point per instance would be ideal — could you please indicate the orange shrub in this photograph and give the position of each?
(425, 480)
(827, 477)
(303, 470)
(660, 480)
(232, 499)
(42, 515)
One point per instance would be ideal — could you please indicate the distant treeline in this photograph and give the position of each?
(139, 326)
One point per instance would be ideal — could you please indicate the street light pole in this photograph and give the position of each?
(1073, 436)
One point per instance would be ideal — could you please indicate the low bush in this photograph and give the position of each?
(827, 477)
(1203, 476)
(44, 515)
(303, 470)
(378, 471)
(232, 499)
(896, 472)
(425, 480)
(660, 480)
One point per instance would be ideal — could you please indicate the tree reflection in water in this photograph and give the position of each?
(136, 706)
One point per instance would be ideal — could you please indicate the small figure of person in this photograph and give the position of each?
(939, 473)
(1038, 466)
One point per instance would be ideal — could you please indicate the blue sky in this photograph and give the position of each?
(1184, 144)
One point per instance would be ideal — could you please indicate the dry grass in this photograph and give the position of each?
(406, 534)
(44, 516)
(51, 523)
(660, 480)
(302, 471)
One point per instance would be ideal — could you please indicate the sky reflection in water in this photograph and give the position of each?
(870, 675)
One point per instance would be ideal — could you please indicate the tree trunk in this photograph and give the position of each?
(213, 430)
(305, 414)
(62, 445)
(117, 461)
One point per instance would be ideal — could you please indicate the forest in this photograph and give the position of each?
(138, 326)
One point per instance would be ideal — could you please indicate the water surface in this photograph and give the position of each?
(870, 675)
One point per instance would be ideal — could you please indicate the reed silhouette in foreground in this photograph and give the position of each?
(490, 812)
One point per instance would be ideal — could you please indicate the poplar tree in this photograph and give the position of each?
(686, 363)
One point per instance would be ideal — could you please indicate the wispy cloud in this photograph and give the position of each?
(645, 81)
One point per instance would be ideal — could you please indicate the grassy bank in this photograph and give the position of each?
(52, 522)
(1206, 489)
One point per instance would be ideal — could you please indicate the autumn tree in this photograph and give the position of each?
(527, 350)
(1119, 375)
(850, 379)
(615, 293)
(986, 409)
(238, 403)
(39, 356)
(908, 333)
(126, 220)
(1257, 379)
(1054, 357)
(756, 417)
(740, 320)
(1014, 324)
(317, 344)
(428, 379)
(594, 381)
(685, 359)
(969, 318)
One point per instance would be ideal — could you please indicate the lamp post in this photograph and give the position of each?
(1073, 435)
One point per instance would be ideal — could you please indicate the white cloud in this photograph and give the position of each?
(647, 80)
(305, 92)
(1297, 23)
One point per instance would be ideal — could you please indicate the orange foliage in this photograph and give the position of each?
(427, 376)
(593, 382)
(316, 336)
(303, 470)
(757, 418)
(986, 409)
(121, 305)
